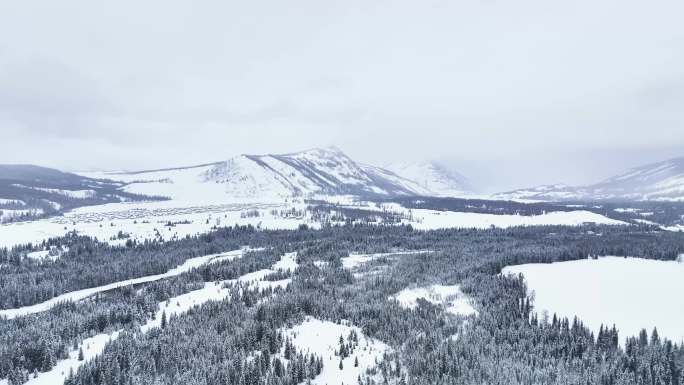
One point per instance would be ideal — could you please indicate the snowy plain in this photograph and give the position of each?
(632, 293)
(150, 220)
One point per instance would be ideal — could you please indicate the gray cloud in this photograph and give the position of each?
(511, 93)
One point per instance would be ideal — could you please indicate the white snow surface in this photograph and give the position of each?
(4, 201)
(355, 260)
(429, 219)
(92, 347)
(632, 293)
(322, 338)
(147, 220)
(450, 297)
(423, 219)
(78, 295)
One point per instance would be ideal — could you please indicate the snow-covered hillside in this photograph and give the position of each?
(268, 178)
(439, 180)
(662, 181)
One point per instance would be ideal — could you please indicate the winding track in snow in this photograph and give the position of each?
(84, 293)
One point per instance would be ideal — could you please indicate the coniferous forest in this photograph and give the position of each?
(240, 340)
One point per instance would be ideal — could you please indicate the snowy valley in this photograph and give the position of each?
(312, 268)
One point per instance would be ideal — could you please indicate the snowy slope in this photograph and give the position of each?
(657, 181)
(434, 177)
(268, 178)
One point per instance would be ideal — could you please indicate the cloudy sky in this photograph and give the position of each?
(511, 93)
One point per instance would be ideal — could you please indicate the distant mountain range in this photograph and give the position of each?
(661, 181)
(319, 171)
(31, 191)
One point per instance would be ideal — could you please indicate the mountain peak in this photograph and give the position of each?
(322, 152)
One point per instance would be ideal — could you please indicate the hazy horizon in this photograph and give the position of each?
(509, 95)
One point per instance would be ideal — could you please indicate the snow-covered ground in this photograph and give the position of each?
(322, 338)
(676, 228)
(451, 297)
(355, 260)
(92, 347)
(632, 293)
(7, 215)
(4, 201)
(424, 219)
(212, 291)
(148, 220)
(81, 294)
(287, 263)
(430, 219)
(52, 254)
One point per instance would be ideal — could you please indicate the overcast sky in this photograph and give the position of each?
(512, 93)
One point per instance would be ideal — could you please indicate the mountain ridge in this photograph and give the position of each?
(312, 172)
(659, 181)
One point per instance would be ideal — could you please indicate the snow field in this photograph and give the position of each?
(450, 297)
(430, 220)
(147, 220)
(322, 338)
(424, 219)
(632, 293)
(356, 260)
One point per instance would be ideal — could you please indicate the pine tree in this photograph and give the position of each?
(163, 320)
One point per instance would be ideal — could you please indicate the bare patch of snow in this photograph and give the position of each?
(451, 297)
(355, 260)
(322, 338)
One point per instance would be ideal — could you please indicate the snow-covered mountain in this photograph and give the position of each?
(434, 177)
(657, 181)
(320, 171)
